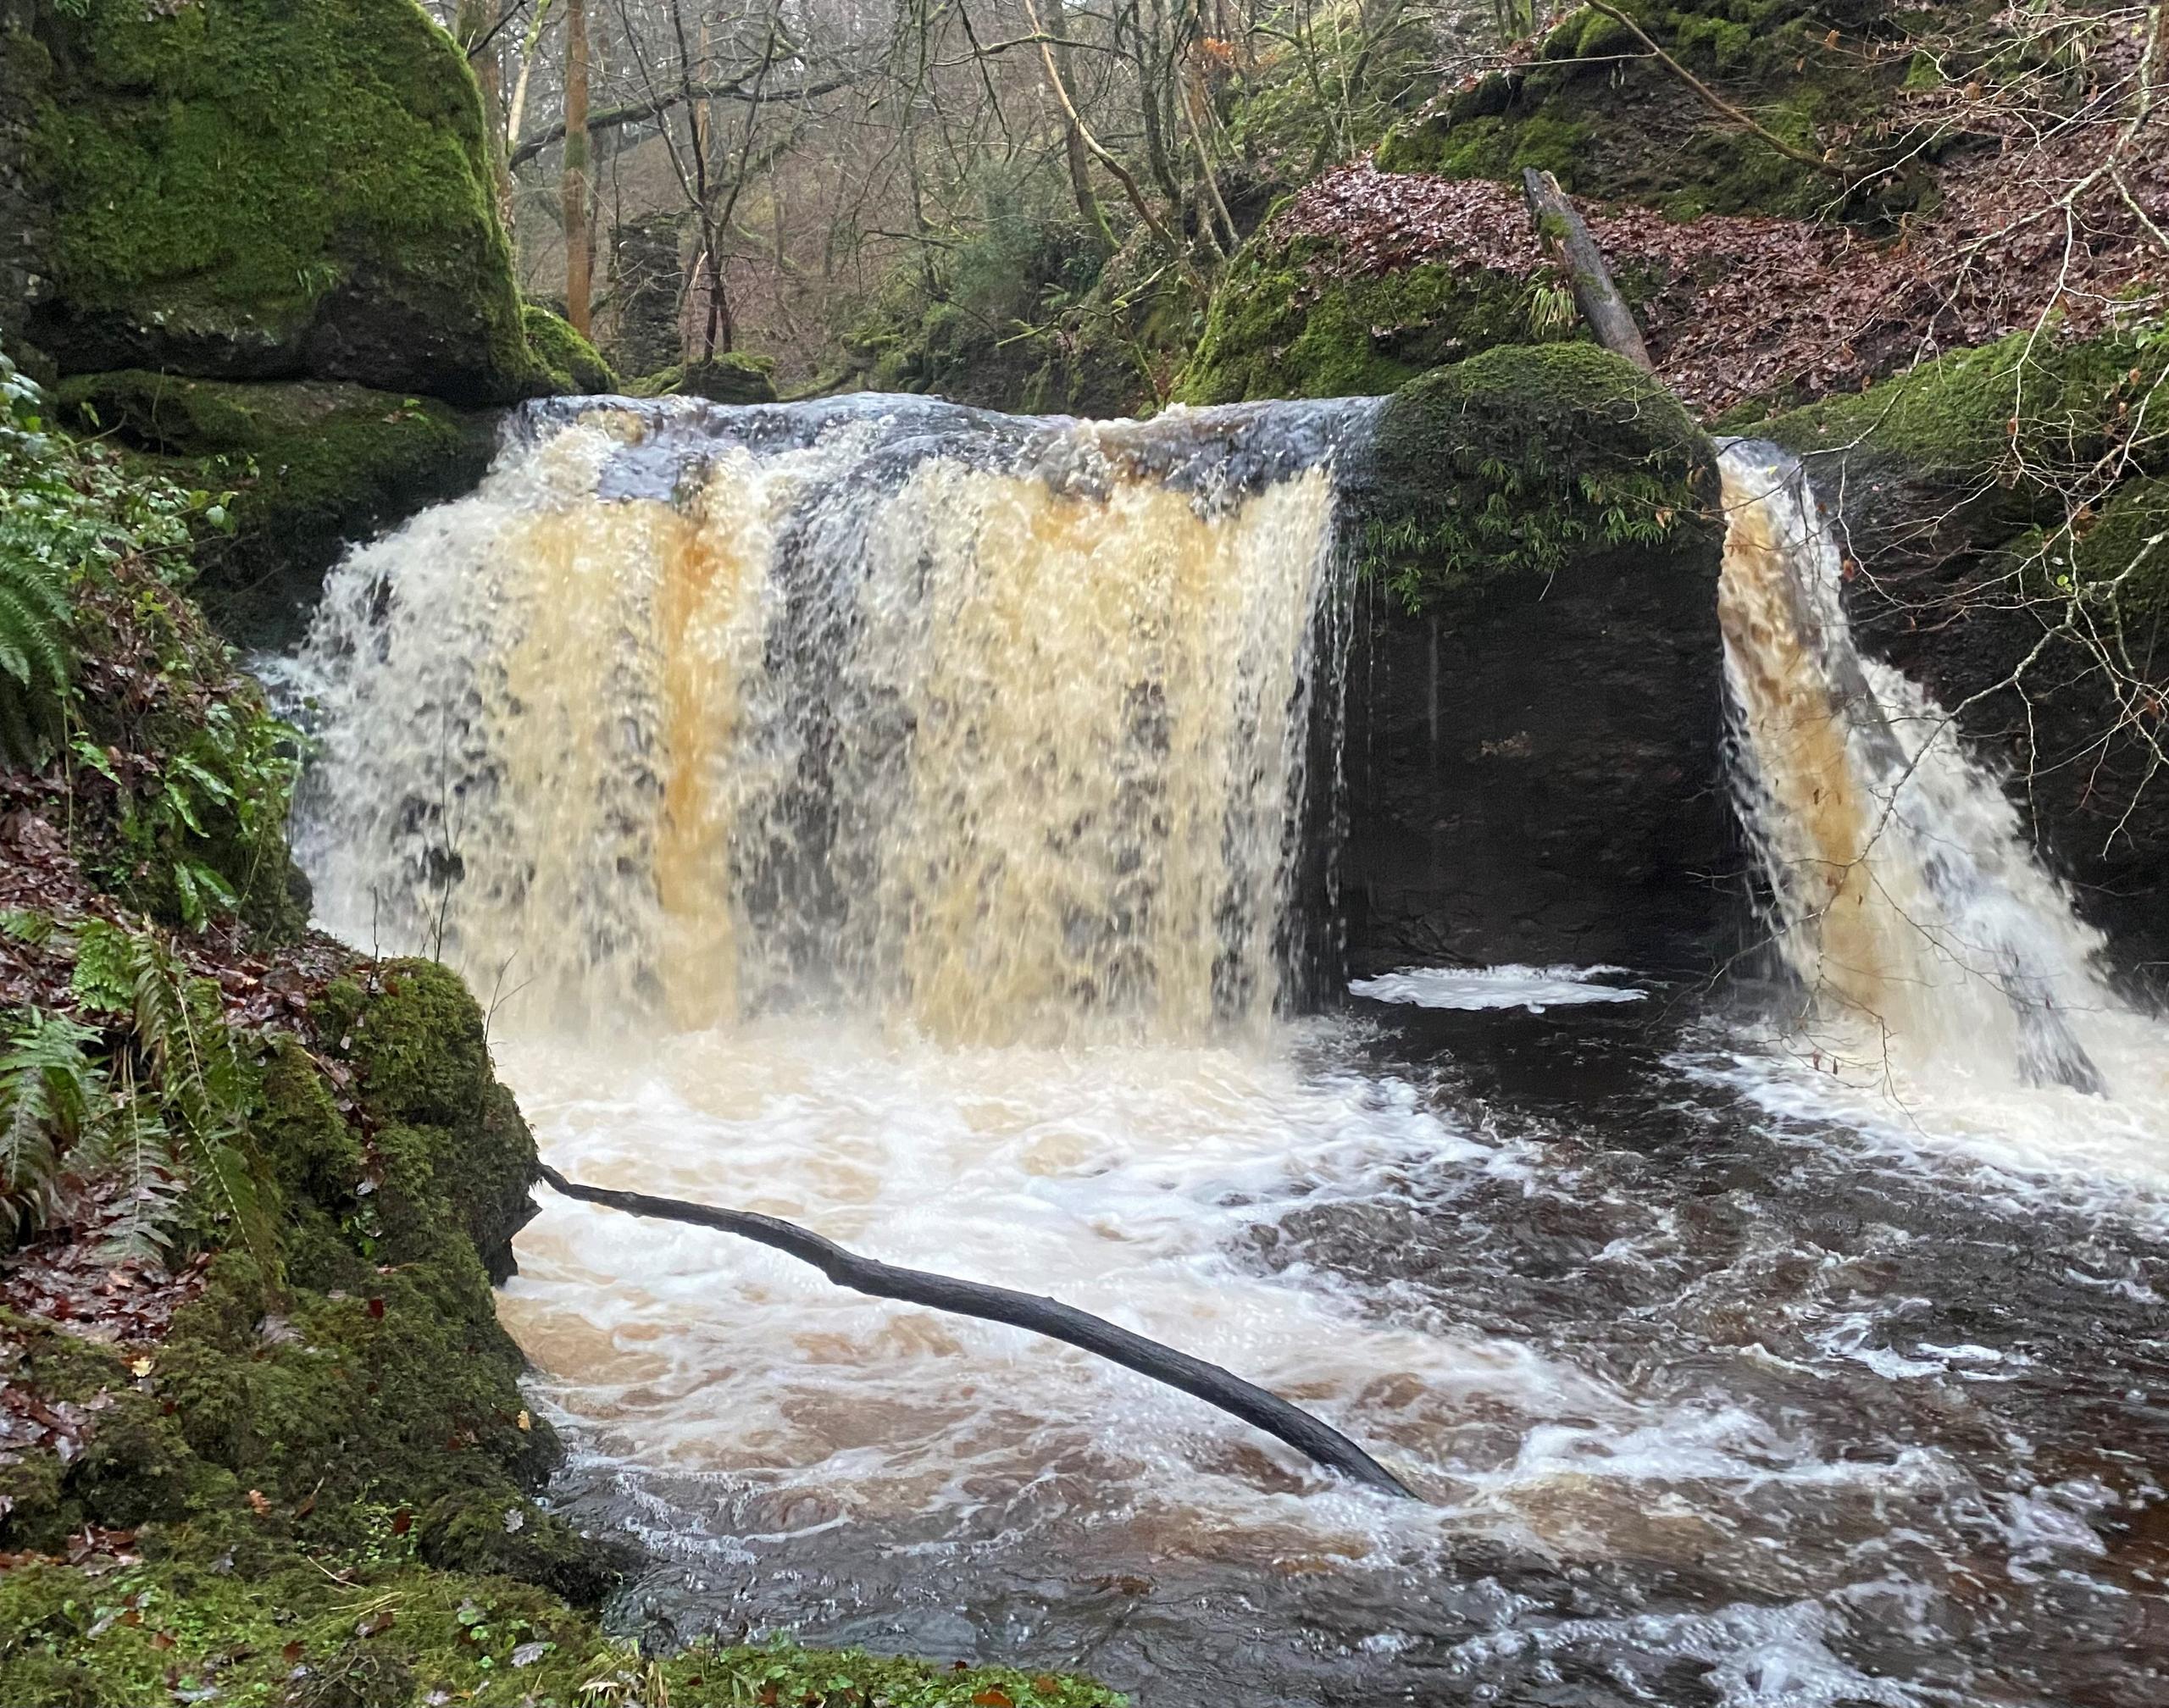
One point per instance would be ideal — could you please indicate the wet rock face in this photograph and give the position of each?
(1541, 780)
(1536, 699)
(1956, 552)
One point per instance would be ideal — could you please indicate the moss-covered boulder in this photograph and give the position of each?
(348, 1381)
(270, 189)
(313, 466)
(1534, 771)
(728, 376)
(1597, 109)
(1295, 318)
(1518, 463)
(574, 367)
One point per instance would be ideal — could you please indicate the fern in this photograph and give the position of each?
(41, 534)
(185, 1135)
(202, 1080)
(50, 1091)
(133, 1149)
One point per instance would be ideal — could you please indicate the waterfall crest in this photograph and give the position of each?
(1905, 895)
(990, 725)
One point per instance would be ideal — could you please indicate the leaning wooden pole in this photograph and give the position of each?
(1566, 240)
(1254, 1405)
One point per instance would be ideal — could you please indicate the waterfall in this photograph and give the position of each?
(994, 726)
(1905, 896)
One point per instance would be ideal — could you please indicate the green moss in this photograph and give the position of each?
(729, 376)
(272, 187)
(420, 1047)
(2030, 400)
(1516, 462)
(2126, 549)
(313, 466)
(380, 1636)
(1770, 57)
(575, 366)
(1284, 323)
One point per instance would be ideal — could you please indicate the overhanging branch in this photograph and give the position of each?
(636, 112)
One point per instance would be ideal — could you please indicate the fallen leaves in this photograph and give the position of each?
(1736, 308)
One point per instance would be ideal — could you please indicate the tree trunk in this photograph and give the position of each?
(579, 275)
(475, 27)
(1062, 71)
(1566, 240)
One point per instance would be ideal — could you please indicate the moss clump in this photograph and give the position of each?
(729, 376)
(575, 366)
(272, 188)
(1608, 121)
(2124, 552)
(1516, 461)
(312, 466)
(1287, 323)
(387, 1633)
(2027, 401)
(419, 1046)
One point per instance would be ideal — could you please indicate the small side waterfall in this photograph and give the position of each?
(986, 723)
(1906, 895)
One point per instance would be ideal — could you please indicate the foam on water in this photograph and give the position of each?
(884, 816)
(1511, 986)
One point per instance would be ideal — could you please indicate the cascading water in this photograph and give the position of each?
(1906, 897)
(885, 815)
(988, 728)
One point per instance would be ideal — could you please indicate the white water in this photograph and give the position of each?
(885, 818)
(1948, 984)
(1533, 988)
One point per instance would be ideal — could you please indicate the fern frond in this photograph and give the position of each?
(49, 1085)
(133, 1150)
(203, 1081)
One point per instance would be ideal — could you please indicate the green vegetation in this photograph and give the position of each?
(728, 376)
(309, 466)
(266, 188)
(1286, 322)
(2031, 407)
(288, 1631)
(575, 368)
(1777, 59)
(1518, 460)
(1023, 314)
(185, 776)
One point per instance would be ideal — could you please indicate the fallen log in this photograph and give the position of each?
(1254, 1405)
(1566, 240)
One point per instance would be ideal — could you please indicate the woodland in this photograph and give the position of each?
(275, 274)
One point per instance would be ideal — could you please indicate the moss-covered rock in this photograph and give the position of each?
(271, 189)
(313, 465)
(729, 376)
(382, 1633)
(1294, 320)
(418, 1043)
(2031, 406)
(575, 368)
(355, 1369)
(1598, 111)
(1534, 766)
(1516, 461)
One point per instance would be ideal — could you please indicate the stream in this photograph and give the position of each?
(889, 817)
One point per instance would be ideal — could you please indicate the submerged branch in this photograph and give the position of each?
(1254, 1405)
